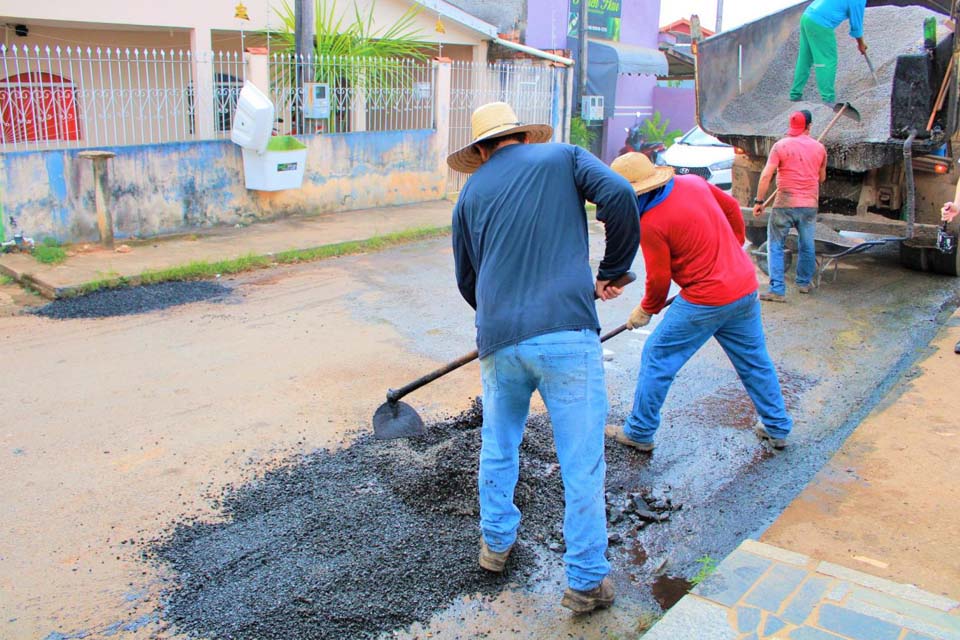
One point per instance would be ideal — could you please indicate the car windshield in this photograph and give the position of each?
(699, 138)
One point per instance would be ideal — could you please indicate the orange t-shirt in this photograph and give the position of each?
(798, 160)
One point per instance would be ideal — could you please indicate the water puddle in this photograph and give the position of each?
(730, 406)
(667, 590)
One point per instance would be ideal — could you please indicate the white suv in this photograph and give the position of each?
(699, 153)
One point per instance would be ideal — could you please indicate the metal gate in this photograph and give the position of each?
(532, 90)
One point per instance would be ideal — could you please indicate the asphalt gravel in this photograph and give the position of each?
(356, 542)
(132, 300)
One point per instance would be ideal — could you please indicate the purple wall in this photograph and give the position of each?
(679, 105)
(547, 24)
(640, 20)
(546, 28)
(639, 23)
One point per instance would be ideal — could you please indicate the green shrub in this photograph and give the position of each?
(49, 251)
(655, 127)
(580, 135)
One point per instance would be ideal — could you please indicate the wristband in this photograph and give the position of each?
(757, 201)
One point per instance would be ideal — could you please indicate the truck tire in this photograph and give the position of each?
(947, 264)
(756, 235)
(915, 258)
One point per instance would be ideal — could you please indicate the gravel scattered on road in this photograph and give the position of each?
(131, 300)
(359, 541)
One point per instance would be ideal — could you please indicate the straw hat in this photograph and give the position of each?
(642, 174)
(494, 120)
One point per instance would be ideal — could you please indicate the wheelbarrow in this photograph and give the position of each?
(830, 247)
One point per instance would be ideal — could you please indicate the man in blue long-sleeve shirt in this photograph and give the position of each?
(522, 261)
(818, 44)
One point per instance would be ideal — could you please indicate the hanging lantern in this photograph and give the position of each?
(439, 28)
(240, 12)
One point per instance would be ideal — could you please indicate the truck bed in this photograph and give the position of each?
(744, 78)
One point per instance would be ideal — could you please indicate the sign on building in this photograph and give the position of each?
(603, 19)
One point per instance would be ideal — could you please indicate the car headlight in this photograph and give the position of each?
(723, 164)
(660, 162)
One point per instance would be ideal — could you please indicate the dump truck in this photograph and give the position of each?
(889, 174)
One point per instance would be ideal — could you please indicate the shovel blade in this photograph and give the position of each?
(847, 110)
(396, 420)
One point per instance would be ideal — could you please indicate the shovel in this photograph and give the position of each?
(844, 109)
(395, 419)
(872, 71)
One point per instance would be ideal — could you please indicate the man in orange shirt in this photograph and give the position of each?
(800, 163)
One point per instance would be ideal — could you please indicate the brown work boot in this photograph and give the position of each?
(770, 296)
(580, 602)
(618, 434)
(493, 560)
(806, 288)
(776, 443)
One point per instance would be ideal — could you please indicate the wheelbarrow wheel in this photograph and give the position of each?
(760, 255)
(756, 235)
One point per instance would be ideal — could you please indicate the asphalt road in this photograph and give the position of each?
(117, 428)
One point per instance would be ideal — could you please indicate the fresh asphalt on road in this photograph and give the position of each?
(174, 405)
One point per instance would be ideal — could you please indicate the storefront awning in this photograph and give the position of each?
(608, 60)
(627, 58)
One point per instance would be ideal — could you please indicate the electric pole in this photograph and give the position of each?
(582, 39)
(719, 16)
(303, 26)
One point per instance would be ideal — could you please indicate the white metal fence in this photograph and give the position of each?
(362, 94)
(89, 97)
(530, 89)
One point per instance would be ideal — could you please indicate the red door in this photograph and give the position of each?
(38, 106)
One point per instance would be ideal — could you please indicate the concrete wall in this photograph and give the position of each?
(174, 188)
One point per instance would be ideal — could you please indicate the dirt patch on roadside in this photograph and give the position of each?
(15, 300)
(886, 503)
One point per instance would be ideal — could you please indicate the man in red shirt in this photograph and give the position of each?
(800, 163)
(693, 233)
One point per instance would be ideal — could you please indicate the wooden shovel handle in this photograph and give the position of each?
(819, 139)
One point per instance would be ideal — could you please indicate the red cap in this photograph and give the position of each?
(798, 123)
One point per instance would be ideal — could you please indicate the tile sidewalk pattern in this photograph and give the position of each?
(762, 591)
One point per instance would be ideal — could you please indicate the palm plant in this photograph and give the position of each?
(349, 56)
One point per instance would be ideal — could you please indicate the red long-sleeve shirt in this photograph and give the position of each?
(695, 238)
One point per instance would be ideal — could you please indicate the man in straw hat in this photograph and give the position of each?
(522, 261)
(691, 232)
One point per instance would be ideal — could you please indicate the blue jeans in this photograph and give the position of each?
(566, 367)
(684, 329)
(778, 226)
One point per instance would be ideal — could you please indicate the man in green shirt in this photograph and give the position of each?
(818, 44)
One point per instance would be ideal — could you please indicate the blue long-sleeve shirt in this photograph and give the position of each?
(830, 13)
(520, 240)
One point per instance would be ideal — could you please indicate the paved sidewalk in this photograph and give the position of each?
(869, 549)
(762, 591)
(227, 243)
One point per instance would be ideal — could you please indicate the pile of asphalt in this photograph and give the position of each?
(359, 541)
(132, 300)
(765, 109)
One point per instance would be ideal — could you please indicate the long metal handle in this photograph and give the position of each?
(873, 72)
(395, 394)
